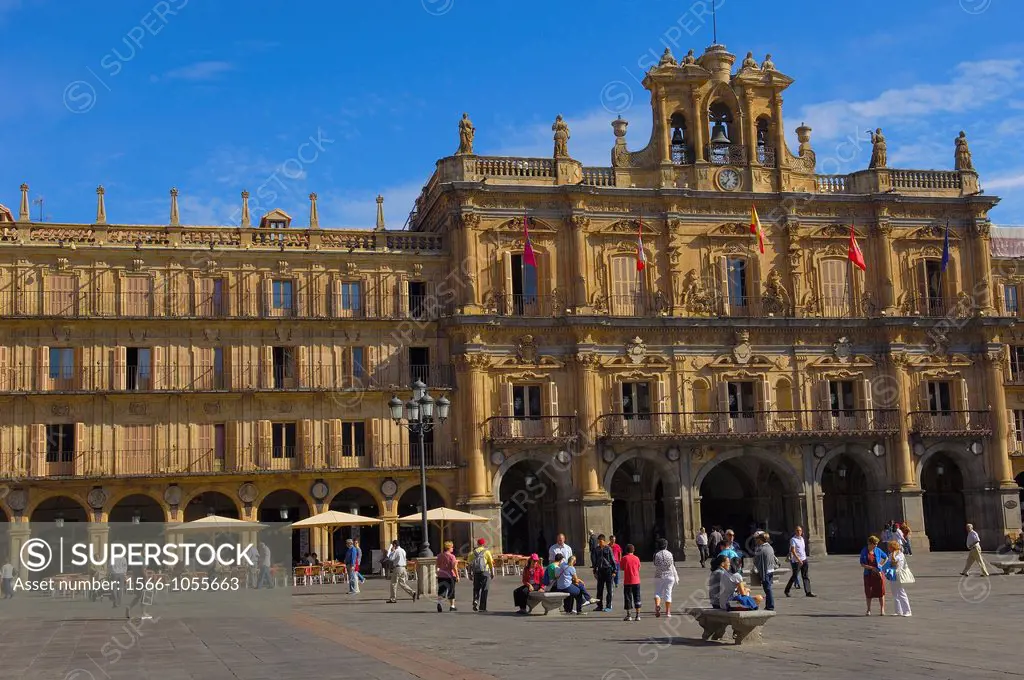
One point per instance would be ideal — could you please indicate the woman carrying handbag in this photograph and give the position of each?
(899, 574)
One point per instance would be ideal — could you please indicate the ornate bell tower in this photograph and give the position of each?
(715, 130)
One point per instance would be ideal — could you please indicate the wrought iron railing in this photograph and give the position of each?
(528, 305)
(746, 424)
(726, 154)
(527, 429)
(951, 423)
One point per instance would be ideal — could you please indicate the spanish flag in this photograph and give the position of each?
(755, 228)
(854, 252)
(529, 258)
(641, 257)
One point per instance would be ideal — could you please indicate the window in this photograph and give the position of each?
(350, 298)
(60, 296)
(358, 364)
(524, 288)
(526, 401)
(417, 299)
(737, 281)
(139, 369)
(60, 443)
(1010, 300)
(679, 151)
(933, 302)
(741, 399)
(353, 439)
(284, 367)
(281, 297)
(636, 400)
(220, 441)
(1018, 429)
(939, 402)
(835, 288)
(419, 364)
(137, 439)
(218, 368)
(1016, 364)
(62, 368)
(840, 394)
(720, 134)
(627, 298)
(277, 224)
(211, 297)
(138, 296)
(283, 440)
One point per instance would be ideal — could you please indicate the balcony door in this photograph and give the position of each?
(636, 407)
(526, 411)
(627, 287)
(742, 406)
(524, 299)
(842, 405)
(836, 291)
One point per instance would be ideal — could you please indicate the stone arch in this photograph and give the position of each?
(303, 493)
(946, 501)
(36, 502)
(121, 494)
(966, 462)
(533, 511)
(142, 496)
(655, 457)
(560, 473)
(655, 508)
(872, 465)
(224, 502)
(373, 493)
(786, 472)
(440, 490)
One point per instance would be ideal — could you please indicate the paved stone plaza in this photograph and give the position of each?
(960, 629)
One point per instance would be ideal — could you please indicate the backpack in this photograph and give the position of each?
(479, 561)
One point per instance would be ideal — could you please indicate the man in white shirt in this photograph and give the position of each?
(265, 579)
(560, 546)
(118, 571)
(974, 552)
(399, 577)
(798, 562)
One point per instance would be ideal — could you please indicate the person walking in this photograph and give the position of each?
(266, 579)
(481, 565)
(715, 540)
(873, 559)
(604, 573)
(766, 563)
(974, 553)
(897, 561)
(617, 555)
(907, 548)
(592, 545)
(798, 562)
(665, 578)
(119, 571)
(359, 561)
(351, 566)
(399, 577)
(630, 565)
(702, 546)
(447, 566)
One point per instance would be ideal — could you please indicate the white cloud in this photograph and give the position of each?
(1015, 181)
(357, 208)
(973, 85)
(200, 71)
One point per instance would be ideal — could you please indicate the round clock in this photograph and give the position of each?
(729, 179)
(320, 490)
(497, 458)
(172, 495)
(608, 456)
(247, 492)
(97, 497)
(17, 499)
(389, 487)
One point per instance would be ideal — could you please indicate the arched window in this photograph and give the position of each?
(680, 141)
(765, 150)
(628, 295)
(701, 396)
(720, 133)
(836, 291)
(783, 395)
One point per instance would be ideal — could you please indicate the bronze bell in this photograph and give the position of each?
(677, 137)
(718, 134)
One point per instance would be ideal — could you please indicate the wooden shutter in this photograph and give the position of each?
(43, 363)
(767, 418)
(267, 286)
(231, 461)
(120, 367)
(80, 447)
(723, 396)
(374, 446)
(334, 459)
(159, 368)
(922, 287)
(304, 370)
(7, 381)
(264, 435)
(1012, 444)
(658, 407)
(506, 278)
(965, 417)
(37, 447)
(347, 368)
(867, 402)
(723, 284)
(305, 443)
(551, 410)
(267, 366)
(506, 397)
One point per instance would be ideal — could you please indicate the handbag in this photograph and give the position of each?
(904, 576)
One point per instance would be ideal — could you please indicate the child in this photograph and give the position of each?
(630, 566)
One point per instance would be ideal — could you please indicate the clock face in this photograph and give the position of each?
(729, 179)
(389, 487)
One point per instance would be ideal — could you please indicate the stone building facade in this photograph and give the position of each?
(165, 372)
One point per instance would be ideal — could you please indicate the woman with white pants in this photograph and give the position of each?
(896, 562)
(665, 578)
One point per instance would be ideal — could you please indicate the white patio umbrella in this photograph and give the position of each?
(334, 518)
(442, 517)
(217, 523)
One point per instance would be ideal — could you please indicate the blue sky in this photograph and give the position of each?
(351, 99)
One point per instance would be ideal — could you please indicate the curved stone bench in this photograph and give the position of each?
(546, 600)
(744, 624)
(1008, 566)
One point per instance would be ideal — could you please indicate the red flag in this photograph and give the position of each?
(641, 258)
(528, 257)
(854, 253)
(755, 228)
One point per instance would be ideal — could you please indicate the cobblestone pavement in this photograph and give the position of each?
(961, 628)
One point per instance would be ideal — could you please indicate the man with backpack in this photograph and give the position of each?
(481, 564)
(604, 571)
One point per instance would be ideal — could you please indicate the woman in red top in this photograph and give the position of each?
(447, 576)
(533, 579)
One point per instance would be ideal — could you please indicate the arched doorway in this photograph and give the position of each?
(210, 503)
(410, 536)
(844, 486)
(1020, 503)
(529, 509)
(357, 502)
(638, 507)
(284, 507)
(127, 517)
(745, 494)
(944, 513)
(59, 518)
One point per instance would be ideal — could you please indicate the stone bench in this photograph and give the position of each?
(744, 623)
(545, 599)
(1008, 566)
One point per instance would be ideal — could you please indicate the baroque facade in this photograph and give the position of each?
(250, 369)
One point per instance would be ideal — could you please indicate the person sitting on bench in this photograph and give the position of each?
(533, 580)
(733, 593)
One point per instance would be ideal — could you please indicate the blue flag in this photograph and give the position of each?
(945, 248)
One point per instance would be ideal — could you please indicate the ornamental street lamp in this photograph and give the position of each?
(420, 417)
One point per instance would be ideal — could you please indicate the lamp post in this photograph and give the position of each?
(420, 418)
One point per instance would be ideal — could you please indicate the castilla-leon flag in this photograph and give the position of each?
(854, 252)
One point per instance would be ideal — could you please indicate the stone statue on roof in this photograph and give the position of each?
(667, 59)
(561, 130)
(466, 133)
(749, 61)
(878, 152)
(767, 64)
(689, 58)
(962, 157)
